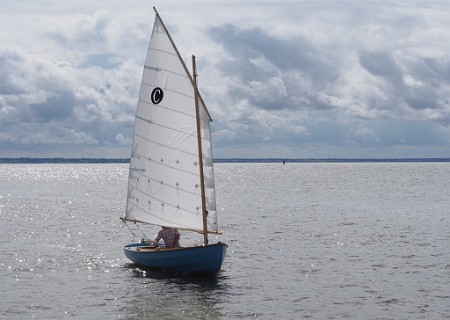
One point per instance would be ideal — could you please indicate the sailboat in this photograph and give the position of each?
(171, 176)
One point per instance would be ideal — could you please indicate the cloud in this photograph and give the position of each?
(381, 64)
(392, 74)
(305, 79)
(123, 140)
(55, 101)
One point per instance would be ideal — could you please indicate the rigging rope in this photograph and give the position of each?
(123, 220)
(137, 226)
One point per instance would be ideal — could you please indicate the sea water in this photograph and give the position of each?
(306, 240)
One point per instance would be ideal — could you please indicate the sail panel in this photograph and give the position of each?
(164, 180)
(208, 170)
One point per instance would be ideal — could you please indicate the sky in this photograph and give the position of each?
(281, 79)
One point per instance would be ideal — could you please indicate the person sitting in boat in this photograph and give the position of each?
(171, 237)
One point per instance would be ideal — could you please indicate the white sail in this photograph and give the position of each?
(164, 179)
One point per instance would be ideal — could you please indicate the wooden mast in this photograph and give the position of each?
(200, 152)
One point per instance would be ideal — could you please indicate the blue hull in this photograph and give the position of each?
(202, 259)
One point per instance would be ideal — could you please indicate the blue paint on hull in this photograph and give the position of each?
(202, 259)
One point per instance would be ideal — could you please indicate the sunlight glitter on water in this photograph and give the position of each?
(357, 241)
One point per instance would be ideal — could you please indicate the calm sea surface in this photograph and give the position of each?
(318, 241)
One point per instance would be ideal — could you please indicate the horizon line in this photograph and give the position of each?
(42, 160)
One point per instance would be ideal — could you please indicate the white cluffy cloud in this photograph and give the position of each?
(291, 79)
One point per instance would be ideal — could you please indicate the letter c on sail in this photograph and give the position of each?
(157, 95)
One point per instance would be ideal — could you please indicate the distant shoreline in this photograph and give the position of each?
(219, 160)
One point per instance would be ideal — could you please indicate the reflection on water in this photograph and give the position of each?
(320, 241)
(160, 295)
